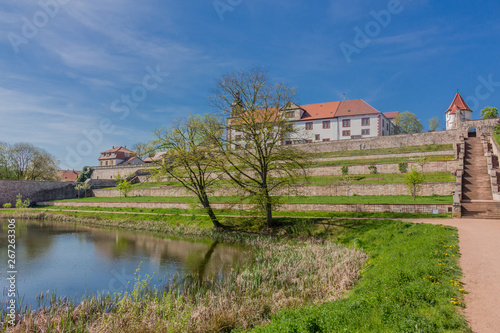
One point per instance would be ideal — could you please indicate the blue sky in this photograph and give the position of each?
(68, 66)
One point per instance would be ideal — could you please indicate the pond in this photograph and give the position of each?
(75, 261)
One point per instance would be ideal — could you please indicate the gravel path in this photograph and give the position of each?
(480, 248)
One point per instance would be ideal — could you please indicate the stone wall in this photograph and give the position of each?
(309, 190)
(101, 173)
(35, 191)
(402, 140)
(395, 208)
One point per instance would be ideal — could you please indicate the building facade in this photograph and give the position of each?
(118, 156)
(457, 113)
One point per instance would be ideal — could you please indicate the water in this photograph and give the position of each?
(76, 261)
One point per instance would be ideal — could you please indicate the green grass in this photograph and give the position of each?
(409, 284)
(497, 138)
(357, 199)
(116, 213)
(383, 151)
(388, 160)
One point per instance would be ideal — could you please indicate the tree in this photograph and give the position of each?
(406, 122)
(85, 174)
(251, 154)
(6, 171)
(124, 187)
(83, 187)
(190, 158)
(489, 113)
(141, 150)
(414, 180)
(434, 123)
(24, 161)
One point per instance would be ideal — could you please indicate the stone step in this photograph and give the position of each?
(485, 210)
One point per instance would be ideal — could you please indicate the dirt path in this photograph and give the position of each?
(480, 262)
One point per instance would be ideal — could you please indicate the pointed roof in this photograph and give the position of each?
(458, 104)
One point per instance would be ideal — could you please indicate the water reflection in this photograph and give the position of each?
(77, 260)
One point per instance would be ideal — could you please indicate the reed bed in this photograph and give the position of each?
(285, 274)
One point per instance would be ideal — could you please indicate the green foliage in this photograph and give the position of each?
(345, 170)
(403, 167)
(414, 181)
(83, 187)
(407, 123)
(24, 161)
(405, 286)
(124, 187)
(20, 203)
(7, 205)
(489, 113)
(496, 130)
(373, 169)
(434, 123)
(85, 174)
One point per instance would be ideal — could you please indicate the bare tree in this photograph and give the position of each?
(189, 158)
(141, 150)
(252, 153)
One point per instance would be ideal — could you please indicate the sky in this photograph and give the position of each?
(78, 77)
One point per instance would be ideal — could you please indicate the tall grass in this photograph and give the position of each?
(286, 273)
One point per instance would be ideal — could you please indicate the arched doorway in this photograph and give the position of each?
(472, 132)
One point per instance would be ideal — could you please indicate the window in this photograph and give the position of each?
(365, 121)
(106, 163)
(316, 137)
(290, 114)
(325, 140)
(309, 126)
(387, 126)
(365, 132)
(238, 137)
(346, 123)
(326, 124)
(288, 142)
(346, 133)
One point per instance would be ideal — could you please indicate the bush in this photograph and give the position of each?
(345, 170)
(7, 205)
(20, 203)
(403, 167)
(373, 169)
(496, 130)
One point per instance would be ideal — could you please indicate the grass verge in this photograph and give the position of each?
(383, 151)
(355, 199)
(409, 284)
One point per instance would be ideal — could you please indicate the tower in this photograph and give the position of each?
(457, 113)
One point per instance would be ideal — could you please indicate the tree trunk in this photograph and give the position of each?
(210, 212)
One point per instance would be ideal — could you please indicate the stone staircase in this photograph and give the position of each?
(477, 197)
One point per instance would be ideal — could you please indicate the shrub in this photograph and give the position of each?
(403, 167)
(7, 205)
(496, 130)
(20, 203)
(345, 170)
(373, 169)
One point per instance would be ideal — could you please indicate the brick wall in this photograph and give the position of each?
(310, 190)
(35, 191)
(406, 208)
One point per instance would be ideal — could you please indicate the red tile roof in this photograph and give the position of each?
(391, 115)
(69, 175)
(115, 149)
(458, 104)
(356, 107)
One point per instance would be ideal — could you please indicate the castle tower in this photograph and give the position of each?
(458, 112)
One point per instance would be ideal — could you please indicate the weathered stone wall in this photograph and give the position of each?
(101, 173)
(310, 190)
(406, 208)
(35, 191)
(402, 140)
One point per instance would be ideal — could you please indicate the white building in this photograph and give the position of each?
(458, 111)
(341, 120)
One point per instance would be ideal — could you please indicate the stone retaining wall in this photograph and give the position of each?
(395, 208)
(35, 190)
(309, 190)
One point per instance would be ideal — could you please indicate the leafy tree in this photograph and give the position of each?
(406, 122)
(414, 180)
(85, 174)
(255, 160)
(434, 123)
(124, 187)
(24, 161)
(489, 113)
(20, 203)
(83, 187)
(190, 157)
(403, 167)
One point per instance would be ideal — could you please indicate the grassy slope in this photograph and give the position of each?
(373, 199)
(382, 151)
(409, 285)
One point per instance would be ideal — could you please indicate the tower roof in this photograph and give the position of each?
(458, 104)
